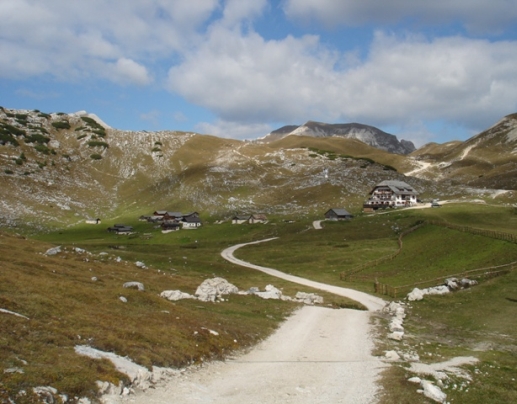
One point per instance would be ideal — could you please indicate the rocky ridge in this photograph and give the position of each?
(370, 135)
(68, 168)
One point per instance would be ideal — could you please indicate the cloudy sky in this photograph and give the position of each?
(422, 70)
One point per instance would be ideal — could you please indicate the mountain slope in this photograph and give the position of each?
(367, 134)
(487, 160)
(62, 169)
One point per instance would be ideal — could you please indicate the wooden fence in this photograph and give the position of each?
(394, 291)
(480, 273)
(352, 274)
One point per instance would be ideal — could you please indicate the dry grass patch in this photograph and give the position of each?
(73, 299)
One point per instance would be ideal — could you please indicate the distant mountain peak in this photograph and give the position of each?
(370, 135)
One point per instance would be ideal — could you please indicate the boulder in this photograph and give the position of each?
(391, 356)
(134, 285)
(433, 392)
(467, 283)
(175, 295)
(53, 251)
(437, 290)
(213, 289)
(308, 298)
(415, 295)
(270, 293)
(396, 335)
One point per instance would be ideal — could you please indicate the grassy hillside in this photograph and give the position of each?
(65, 306)
(58, 170)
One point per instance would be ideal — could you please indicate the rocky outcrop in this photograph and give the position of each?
(370, 135)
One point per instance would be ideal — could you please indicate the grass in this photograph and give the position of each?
(66, 307)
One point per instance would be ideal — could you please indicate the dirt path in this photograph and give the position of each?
(319, 355)
(371, 302)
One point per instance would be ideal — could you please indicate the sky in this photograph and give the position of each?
(425, 71)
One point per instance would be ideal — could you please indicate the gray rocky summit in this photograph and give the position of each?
(370, 135)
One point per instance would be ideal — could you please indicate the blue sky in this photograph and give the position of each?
(423, 70)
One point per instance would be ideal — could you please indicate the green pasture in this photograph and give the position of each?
(480, 321)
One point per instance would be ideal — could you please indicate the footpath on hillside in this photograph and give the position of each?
(319, 355)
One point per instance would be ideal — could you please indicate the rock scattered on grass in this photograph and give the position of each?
(134, 285)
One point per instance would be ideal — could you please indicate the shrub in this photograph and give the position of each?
(18, 162)
(42, 149)
(61, 125)
(7, 171)
(44, 115)
(7, 138)
(99, 132)
(158, 144)
(37, 138)
(81, 136)
(12, 130)
(156, 149)
(95, 156)
(96, 143)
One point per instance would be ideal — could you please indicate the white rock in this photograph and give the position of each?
(46, 393)
(433, 392)
(140, 264)
(213, 289)
(415, 295)
(308, 298)
(391, 356)
(437, 290)
(415, 380)
(396, 336)
(175, 295)
(396, 325)
(134, 285)
(123, 299)
(53, 251)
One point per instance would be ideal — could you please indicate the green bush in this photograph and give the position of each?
(81, 136)
(44, 115)
(37, 138)
(12, 130)
(95, 156)
(18, 162)
(61, 125)
(99, 132)
(156, 149)
(7, 171)
(96, 143)
(7, 138)
(42, 149)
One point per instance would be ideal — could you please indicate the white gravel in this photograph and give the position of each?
(319, 355)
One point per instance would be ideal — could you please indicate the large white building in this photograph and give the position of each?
(391, 194)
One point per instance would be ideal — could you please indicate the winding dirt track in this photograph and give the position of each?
(318, 355)
(371, 302)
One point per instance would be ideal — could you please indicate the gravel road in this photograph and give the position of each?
(319, 355)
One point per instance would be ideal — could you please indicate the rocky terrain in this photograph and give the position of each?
(367, 134)
(65, 168)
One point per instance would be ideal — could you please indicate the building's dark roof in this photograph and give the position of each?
(241, 217)
(339, 212)
(191, 219)
(397, 187)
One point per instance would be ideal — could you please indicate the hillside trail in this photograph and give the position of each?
(318, 355)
